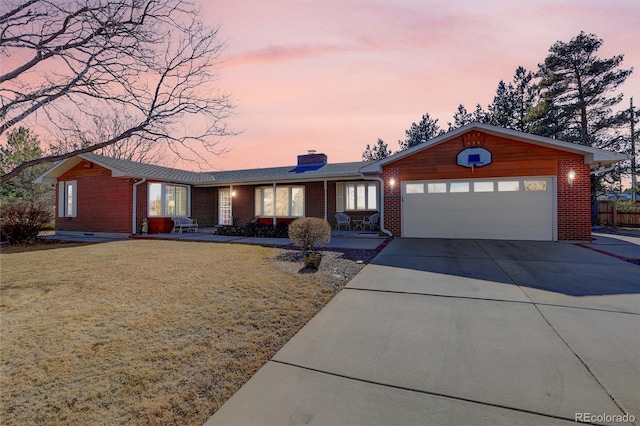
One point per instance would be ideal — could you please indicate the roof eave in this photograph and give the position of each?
(329, 176)
(51, 175)
(605, 158)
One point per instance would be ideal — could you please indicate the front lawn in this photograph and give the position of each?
(141, 332)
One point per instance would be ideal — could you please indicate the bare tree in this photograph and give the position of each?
(68, 64)
(134, 148)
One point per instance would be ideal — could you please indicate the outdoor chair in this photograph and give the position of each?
(374, 222)
(343, 219)
(182, 223)
(365, 223)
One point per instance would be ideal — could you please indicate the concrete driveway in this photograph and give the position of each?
(448, 332)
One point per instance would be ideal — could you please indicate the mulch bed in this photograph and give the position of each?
(337, 268)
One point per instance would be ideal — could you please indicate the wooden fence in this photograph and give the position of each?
(609, 214)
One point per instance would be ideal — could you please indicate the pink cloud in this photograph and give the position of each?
(278, 53)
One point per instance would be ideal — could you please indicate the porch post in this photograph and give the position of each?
(274, 205)
(325, 201)
(231, 204)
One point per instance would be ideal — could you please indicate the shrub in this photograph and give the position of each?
(21, 221)
(309, 233)
(626, 206)
(231, 231)
(254, 229)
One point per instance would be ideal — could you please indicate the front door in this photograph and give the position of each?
(224, 203)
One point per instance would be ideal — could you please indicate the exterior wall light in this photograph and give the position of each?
(392, 182)
(233, 193)
(570, 177)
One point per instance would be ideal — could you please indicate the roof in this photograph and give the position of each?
(135, 170)
(594, 156)
(122, 168)
(289, 173)
(597, 158)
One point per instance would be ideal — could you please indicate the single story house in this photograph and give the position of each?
(478, 181)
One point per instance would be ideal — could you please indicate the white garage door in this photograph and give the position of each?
(509, 208)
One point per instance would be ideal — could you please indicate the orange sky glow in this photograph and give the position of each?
(334, 76)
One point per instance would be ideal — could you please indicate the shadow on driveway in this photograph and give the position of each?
(553, 267)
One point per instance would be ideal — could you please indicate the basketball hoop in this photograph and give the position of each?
(474, 157)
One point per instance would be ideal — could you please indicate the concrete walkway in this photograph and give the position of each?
(447, 332)
(340, 242)
(625, 247)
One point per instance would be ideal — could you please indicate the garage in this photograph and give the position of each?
(485, 182)
(512, 208)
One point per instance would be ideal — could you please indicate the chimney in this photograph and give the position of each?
(311, 158)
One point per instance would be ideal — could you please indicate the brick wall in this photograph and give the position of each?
(204, 206)
(104, 204)
(243, 204)
(574, 201)
(331, 203)
(392, 200)
(314, 199)
(141, 205)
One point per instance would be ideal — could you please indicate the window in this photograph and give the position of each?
(288, 201)
(361, 196)
(482, 186)
(168, 200)
(459, 187)
(535, 185)
(436, 188)
(67, 199)
(509, 185)
(414, 188)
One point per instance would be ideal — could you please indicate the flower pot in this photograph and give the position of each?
(312, 260)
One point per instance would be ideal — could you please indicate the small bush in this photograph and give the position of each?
(309, 233)
(231, 231)
(21, 221)
(626, 206)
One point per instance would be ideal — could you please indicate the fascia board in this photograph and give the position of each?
(51, 175)
(121, 174)
(328, 177)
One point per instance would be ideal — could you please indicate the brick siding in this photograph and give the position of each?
(204, 206)
(314, 199)
(331, 203)
(243, 204)
(392, 200)
(104, 204)
(574, 201)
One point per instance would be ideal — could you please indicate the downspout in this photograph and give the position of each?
(379, 179)
(135, 205)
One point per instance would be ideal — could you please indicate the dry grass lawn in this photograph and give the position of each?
(140, 332)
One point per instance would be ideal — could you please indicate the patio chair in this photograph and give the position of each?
(374, 222)
(343, 219)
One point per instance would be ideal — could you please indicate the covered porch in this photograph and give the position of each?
(340, 239)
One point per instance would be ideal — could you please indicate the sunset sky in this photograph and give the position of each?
(335, 75)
